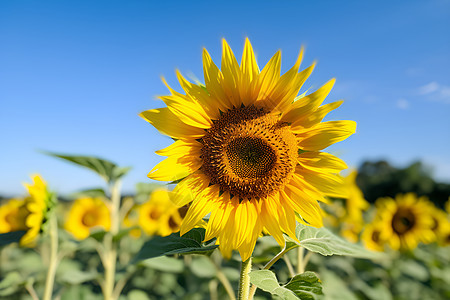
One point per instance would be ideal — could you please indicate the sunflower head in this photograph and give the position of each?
(159, 215)
(248, 150)
(85, 215)
(13, 216)
(406, 221)
(372, 237)
(38, 204)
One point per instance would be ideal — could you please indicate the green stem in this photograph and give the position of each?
(244, 279)
(300, 265)
(269, 264)
(51, 272)
(110, 253)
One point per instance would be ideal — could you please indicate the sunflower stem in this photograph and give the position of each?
(300, 264)
(53, 263)
(244, 279)
(110, 253)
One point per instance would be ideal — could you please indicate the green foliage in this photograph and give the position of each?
(109, 171)
(94, 193)
(323, 241)
(190, 243)
(303, 286)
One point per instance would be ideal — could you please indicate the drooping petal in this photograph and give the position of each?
(329, 184)
(200, 207)
(219, 217)
(189, 188)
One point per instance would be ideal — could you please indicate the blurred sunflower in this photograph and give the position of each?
(371, 237)
(38, 203)
(355, 204)
(159, 215)
(13, 216)
(247, 150)
(85, 215)
(405, 221)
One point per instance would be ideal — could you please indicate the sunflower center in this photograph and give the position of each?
(249, 153)
(403, 221)
(90, 218)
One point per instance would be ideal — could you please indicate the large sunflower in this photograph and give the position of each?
(405, 221)
(87, 214)
(247, 150)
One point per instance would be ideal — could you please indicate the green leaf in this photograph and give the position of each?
(267, 281)
(77, 276)
(190, 243)
(165, 264)
(11, 237)
(109, 171)
(321, 240)
(306, 286)
(10, 283)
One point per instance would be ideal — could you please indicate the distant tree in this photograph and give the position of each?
(379, 179)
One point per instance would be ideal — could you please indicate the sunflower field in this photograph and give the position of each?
(250, 206)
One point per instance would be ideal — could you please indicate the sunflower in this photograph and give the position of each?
(406, 221)
(37, 204)
(159, 215)
(85, 215)
(247, 150)
(355, 204)
(372, 237)
(13, 216)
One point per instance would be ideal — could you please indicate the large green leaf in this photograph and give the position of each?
(190, 243)
(321, 240)
(109, 171)
(306, 286)
(303, 286)
(11, 237)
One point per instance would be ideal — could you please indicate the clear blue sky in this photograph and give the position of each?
(75, 74)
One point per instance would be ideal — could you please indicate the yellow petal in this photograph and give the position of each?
(325, 134)
(189, 188)
(270, 220)
(231, 74)
(330, 184)
(219, 217)
(175, 168)
(214, 82)
(169, 124)
(315, 117)
(189, 112)
(200, 94)
(321, 161)
(181, 148)
(304, 106)
(199, 208)
(269, 76)
(299, 202)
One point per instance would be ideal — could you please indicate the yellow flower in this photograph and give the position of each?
(37, 205)
(406, 221)
(13, 215)
(159, 215)
(247, 150)
(355, 204)
(131, 218)
(372, 237)
(85, 215)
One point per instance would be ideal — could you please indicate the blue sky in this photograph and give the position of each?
(75, 74)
